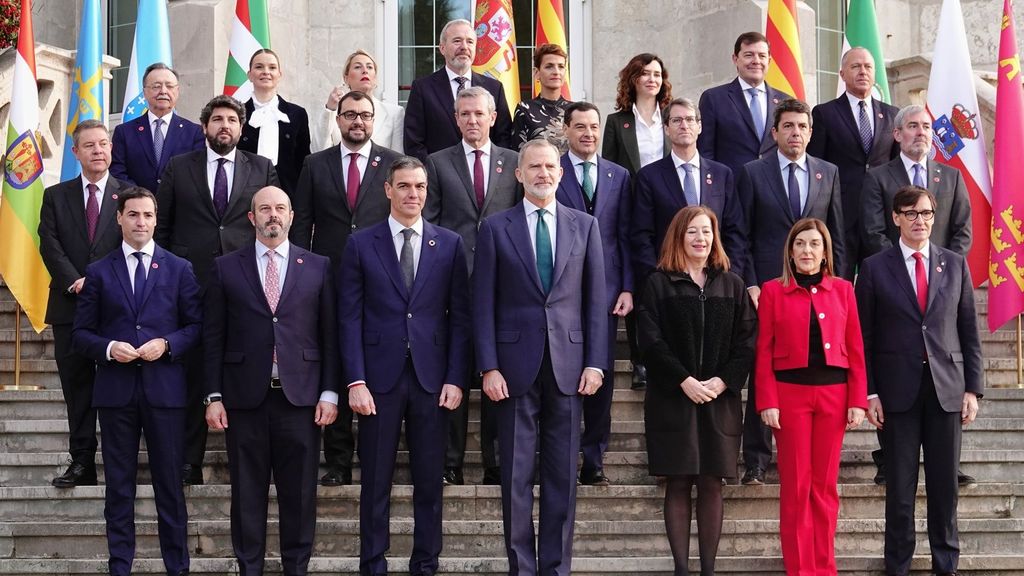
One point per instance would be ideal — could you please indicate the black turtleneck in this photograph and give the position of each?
(817, 371)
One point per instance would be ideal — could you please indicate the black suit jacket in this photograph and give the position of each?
(430, 115)
(727, 130)
(187, 222)
(64, 240)
(293, 141)
(323, 221)
(619, 143)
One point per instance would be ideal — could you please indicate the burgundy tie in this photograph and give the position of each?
(352, 185)
(478, 179)
(92, 210)
(922, 281)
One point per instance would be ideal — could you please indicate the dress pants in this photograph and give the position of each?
(925, 425)
(458, 430)
(339, 438)
(76, 377)
(557, 416)
(121, 429)
(195, 411)
(277, 437)
(757, 438)
(810, 441)
(378, 447)
(597, 414)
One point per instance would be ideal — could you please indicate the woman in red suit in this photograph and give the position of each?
(811, 386)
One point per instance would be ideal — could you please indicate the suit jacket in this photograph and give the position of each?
(951, 227)
(430, 114)
(897, 334)
(451, 202)
(187, 222)
(323, 221)
(727, 130)
(241, 333)
(619, 142)
(658, 196)
(64, 240)
(382, 323)
(293, 141)
(768, 219)
(171, 309)
(613, 210)
(515, 320)
(133, 159)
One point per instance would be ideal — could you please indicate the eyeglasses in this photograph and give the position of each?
(913, 214)
(161, 86)
(677, 121)
(351, 116)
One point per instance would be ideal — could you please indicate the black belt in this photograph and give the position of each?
(275, 383)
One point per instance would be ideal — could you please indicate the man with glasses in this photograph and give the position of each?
(143, 147)
(340, 191)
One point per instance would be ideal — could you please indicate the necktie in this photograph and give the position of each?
(92, 210)
(352, 185)
(545, 260)
(478, 178)
(919, 176)
(922, 281)
(462, 83)
(588, 183)
(140, 281)
(794, 192)
(158, 139)
(405, 260)
(271, 287)
(220, 188)
(865, 127)
(689, 189)
(755, 112)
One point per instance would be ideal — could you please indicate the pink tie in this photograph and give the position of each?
(922, 281)
(271, 286)
(478, 179)
(92, 210)
(352, 185)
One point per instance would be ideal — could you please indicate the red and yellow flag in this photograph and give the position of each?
(785, 72)
(551, 30)
(496, 46)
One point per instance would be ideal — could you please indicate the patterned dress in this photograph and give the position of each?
(540, 118)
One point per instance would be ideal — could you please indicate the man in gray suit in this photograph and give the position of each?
(467, 183)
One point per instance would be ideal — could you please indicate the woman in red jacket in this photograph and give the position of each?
(811, 386)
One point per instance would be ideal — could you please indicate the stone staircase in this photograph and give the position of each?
(619, 529)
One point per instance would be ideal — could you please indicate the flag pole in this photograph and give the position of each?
(1020, 357)
(17, 354)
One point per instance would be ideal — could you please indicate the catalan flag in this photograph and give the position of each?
(496, 46)
(785, 72)
(152, 44)
(86, 101)
(250, 31)
(20, 264)
(551, 30)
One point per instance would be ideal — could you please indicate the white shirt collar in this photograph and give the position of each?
(362, 151)
(101, 183)
(153, 117)
(452, 75)
(147, 249)
(744, 86)
(576, 160)
(467, 149)
(854, 100)
(677, 161)
(908, 164)
(274, 102)
(212, 156)
(908, 252)
(801, 161)
(397, 227)
(282, 250)
(530, 207)
(655, 121)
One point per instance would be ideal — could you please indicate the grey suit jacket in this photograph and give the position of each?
(451, 202)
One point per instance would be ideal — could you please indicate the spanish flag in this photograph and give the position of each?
(496, 46)
(551, 30)
(785, 72)
(20, 263)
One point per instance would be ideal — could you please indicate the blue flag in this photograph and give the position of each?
(86, 101)
(152, 44)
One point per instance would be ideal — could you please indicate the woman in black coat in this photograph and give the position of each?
(696, 328)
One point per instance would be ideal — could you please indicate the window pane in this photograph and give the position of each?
(122, 16)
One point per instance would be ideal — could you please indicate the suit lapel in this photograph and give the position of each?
(366, 184)
(629, 140)
(497, 173)
(443, 92)
(565, 232)
(202, 186)
(848, 118)
(742, 108)
(108, 207)
(573, 191)
(673, 187)
(174, 128)
(76, 206)
(878, 122)
(899, 173)
(296, 268)
(242, 170)
(121, 273)
(335, 168)
(384, 245)
(519, 234)
(771, 99)
(251, 272)
(144, 140)
(937, 276)
(774, 178)
(898, 268)
(813, 185)
(428, 254)
(155, 273)
(461, 167)
(602, 186)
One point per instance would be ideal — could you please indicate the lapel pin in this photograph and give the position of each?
(181, 125)
(432, 243)
(376, 159)
(609, 174)
(936, 179)
(113, 196)
(625, 125)
(498, 169)
(880, 115)
(142, 128)
(775, 100)
(500, 161)
(155, 265)
(817, 175)
(374, 163)
(938, 268)
(708, 181)
(298, 260)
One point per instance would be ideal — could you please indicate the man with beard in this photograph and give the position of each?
(203, 200)
(270, 345)
(340, 191)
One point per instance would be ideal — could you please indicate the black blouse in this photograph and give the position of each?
(817, 372)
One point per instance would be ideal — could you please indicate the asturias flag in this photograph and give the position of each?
(86, 101)
(785, 71)
(250, 31)
(496, 46)
(20, 263)
(862, 31)
(152, 44)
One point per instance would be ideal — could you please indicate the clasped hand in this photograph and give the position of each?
(124, 352)
(702, 391)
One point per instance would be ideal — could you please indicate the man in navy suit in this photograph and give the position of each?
(142, 147)
(775, 192)
(924, 366)
(684, 178)
(138, 313)
(270, 346)
(602, 189)
(736, 115)
(854, 132)
(403, 309)
(429, 114)
(541, 323)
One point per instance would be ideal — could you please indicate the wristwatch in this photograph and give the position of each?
(211, 399)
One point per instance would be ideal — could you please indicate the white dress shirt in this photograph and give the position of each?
(485, 160)
(650, 137)
(908, 166)
(455, 85)
(101, 184)
(131, 262)
(868, 108)
(801, 178)
(762, 100)
(694, 175)
(549, 218)
(577, 166)
(211, 168)
(399, 239)
(911, 262)
(152, 118)
(361, 161)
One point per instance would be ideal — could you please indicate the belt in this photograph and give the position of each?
(275, 383)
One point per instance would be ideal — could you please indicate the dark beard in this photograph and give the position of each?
(218, 147)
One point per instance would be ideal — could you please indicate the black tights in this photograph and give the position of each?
(709, 520)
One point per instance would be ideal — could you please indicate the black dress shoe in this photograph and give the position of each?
(452, 477)
(594, 479)
(492, 476)
(192, 475)
(880, 476)
(337, 477)
(77, 474)
(639, 377)
(965, 480)
(753, 477)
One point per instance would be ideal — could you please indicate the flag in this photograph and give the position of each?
(957, 134)
(86, 102)
(250, 31)
(496, 46)
(22, 191)
(784, 71)
(551, 30)
(1006, 258)
(862, 31)
(152, 44)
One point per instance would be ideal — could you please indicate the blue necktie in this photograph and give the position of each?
(919, 176)
(545, 260)
(158, 139)
(140, 281)
(755, 112)
(864, 123)
(689, 190)
(794, 192)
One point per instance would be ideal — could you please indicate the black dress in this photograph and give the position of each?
(688, 331)
(540, 118)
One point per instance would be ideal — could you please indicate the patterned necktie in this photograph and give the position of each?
(462, 84)
(158, 139)
(545, 260)
(220, 188)
(92, 210)
(272, 287)
(140, 281)
(919, 176)
(405, 260)
(865, 127)
(478, 179)
(588, 182)
(352, 184)
(794, 192)
(755, 112)
(922, 281)
(689, 189)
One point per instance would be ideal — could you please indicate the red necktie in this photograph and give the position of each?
(352, 186)
(922, 281)
(478, 179)
(92, 210)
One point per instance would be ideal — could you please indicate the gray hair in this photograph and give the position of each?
(456, 22)
(476, 92)
(666, 112)
(906, 111)
(534, 144)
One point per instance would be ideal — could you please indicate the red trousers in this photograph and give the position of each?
(812, 422)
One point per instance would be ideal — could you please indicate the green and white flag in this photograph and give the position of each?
(250, 31)
(862, 31)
